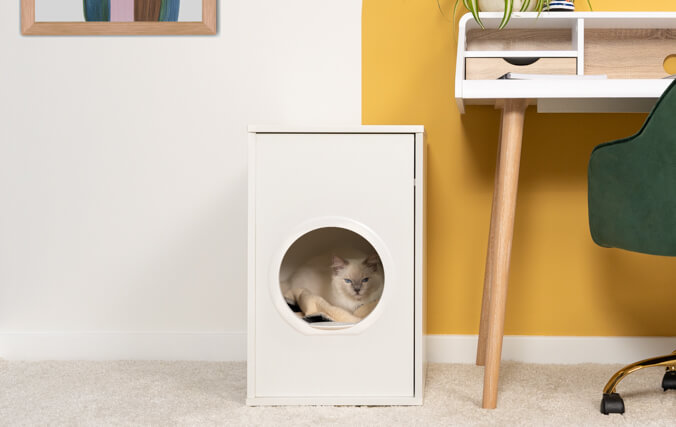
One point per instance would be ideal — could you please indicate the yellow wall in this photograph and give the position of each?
(560, 283)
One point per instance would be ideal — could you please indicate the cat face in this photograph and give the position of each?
(357, 278)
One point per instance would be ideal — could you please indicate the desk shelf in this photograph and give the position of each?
(629, 47)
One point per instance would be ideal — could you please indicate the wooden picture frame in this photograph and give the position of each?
(206, 27)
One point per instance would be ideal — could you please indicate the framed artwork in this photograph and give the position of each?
(118, 17)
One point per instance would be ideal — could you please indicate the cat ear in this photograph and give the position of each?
(372, 261)
(337, 264)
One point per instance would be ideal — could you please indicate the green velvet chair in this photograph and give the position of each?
(632, 206)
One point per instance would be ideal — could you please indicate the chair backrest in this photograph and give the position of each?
(632, 186)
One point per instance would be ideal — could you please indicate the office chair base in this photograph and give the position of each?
(612, 403)
(669, 380)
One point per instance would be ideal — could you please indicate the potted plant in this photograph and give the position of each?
(506, 6)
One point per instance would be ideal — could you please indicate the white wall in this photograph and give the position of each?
(123, 174)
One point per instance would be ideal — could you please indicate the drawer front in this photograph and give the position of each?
(493, 68)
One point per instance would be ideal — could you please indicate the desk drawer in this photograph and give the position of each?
(493, 68)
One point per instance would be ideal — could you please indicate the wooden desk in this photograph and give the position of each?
(629, 47)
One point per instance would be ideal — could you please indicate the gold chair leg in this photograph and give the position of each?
(613, 403)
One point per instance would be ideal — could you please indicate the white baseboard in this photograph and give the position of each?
(231, 346)
(203, 346)
(560, 350)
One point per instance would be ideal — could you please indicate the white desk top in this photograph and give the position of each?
(560, 96)
(612, 95)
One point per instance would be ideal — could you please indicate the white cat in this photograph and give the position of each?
(353, 283)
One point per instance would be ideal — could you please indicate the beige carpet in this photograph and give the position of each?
(196, 393)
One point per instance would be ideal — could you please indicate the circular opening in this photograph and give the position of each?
(331, 278)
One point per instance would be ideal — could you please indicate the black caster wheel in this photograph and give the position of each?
(669, 381)
(612, 403)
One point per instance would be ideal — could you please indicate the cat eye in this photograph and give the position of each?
(365, 279)
(348, 281)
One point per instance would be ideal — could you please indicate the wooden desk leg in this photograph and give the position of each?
(499, 252)
(490, 265)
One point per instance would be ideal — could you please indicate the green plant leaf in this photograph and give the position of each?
(540, 5)
(473, 7)
(452, 17)
(446, 16)
(524, 5)
(455, 10)
(509, 6)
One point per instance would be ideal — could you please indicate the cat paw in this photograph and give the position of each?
(365, 309)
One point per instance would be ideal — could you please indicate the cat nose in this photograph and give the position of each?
(357, 288)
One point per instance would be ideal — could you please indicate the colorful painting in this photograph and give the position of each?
(118, 17)
(118, 10)
(131, 10)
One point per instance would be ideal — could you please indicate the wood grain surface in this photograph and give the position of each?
(520, 39)
(628, 53)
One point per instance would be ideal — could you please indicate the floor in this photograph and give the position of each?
(201, 393)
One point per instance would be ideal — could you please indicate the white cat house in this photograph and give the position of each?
(317, 191)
